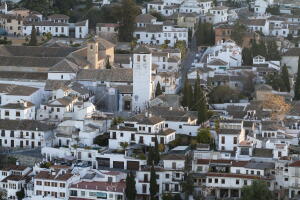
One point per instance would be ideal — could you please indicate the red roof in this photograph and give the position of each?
(295, 164)
(101, 186)
(48, 175)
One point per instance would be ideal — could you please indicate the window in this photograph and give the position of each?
(144, 188)
(223, 139)
(223, 181)
(216, 180)
(12, 133)
(62, 185)
(53, 184)
(210, 180)
(258, 172)
(39, 182)
(57, 109)
(18, 114)
(62, 194)
(62, 77)
(6, 113)
(237, 181)
(238, 171)
(180, 126)
(286, 179)
(2, 133)
(235, 140)
(73, 193)
(138, 58)
(167, 175)
(46, 183)
(245, 182)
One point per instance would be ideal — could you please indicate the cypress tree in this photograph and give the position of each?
(130, 190)
(196, 94)
(247, 56)
(285, 78)
(150, 158)
(297, 84)
(202, 108)
(158, 90)
(153, 184)
(156, 156)
(33, 39)
(187, 99)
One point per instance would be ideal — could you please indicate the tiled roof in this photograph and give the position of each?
(11, 75)
(101, 186)
(65, 66)
(142, 119)
(292, 52)
(58, 16)
(19, 106)
(144, 18)
(17, 90)
(30, 125)
(111, 75)
(229, 131)
(45, 175)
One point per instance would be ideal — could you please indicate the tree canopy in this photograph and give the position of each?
(130, 191)
(297, 84)
(153, 184)
(204, 136)
(258, 191)
(205, 34)
(223, 94)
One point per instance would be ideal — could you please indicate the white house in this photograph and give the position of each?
(158, 33)
(18, 111)
(13, 179)
(218, 14)
(25, 133)
(54, 183)
(82, 29)
(141, 129)
(228, 51)
(261, 25)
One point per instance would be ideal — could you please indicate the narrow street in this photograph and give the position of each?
(186, 64)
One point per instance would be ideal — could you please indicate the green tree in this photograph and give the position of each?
(128, 12)
(202, 107)
(276, 81)
(247, 56)
(117, 120)
(297, 84)
(21, 194)
(273, 10)
(167, 196)
(223, 94)
(205, 34)
(158, 16)
(285, 78)
(33, 38)
(238, 33)
(130, 190)
(153, 184)
(187, 94)
(158, 90)
(258, 191)
(272, 51)
(204, 136)
(181, 45)
(156, 155)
